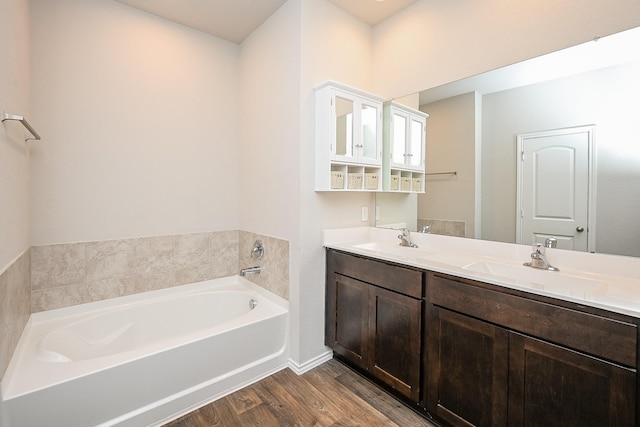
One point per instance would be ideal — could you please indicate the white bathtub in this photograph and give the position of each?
(144, 359)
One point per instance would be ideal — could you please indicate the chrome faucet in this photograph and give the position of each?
(250, 270)
(405, 238)
(539, 257)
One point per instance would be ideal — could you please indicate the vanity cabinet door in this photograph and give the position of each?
(552, 385)
(374, 314)
(467, 378)
(348, 319)
(395, 330)
(500, 359)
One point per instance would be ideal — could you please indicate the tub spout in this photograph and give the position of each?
(250, 270)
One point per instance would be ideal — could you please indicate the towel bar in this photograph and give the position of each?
(25, 123)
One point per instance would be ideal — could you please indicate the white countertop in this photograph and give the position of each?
(609, 282)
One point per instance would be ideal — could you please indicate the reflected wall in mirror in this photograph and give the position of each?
(473, 128)
(344, 127)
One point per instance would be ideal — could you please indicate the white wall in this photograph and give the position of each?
(434, 42)
(14, 151)
(269, 125)
(139, 119)
(335, 46)
(606, 98)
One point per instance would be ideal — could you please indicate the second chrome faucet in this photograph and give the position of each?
(539, 255)
(405, 238)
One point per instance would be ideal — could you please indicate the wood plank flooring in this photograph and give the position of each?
(329, 395)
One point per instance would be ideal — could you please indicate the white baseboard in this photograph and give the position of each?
(300, 369)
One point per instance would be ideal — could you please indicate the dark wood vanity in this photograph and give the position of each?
(468, 353)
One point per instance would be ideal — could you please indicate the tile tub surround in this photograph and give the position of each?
(274, 275)
(443, 227)
(15, 305)
(75, 273)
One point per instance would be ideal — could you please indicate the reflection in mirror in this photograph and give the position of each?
(415, 149)
(472, 133)
(369, 129)
(344, 127)
(398, 149)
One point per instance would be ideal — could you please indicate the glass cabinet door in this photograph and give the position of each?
(398, 139)
(416, 143)
(344, 127)
(369, 133)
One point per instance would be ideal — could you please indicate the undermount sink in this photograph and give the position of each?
(393, 249)
(550, 281)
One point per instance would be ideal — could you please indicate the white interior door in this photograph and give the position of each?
(555, 188)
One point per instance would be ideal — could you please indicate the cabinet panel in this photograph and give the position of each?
(468, 369)
(351, 319)
(371, 325)
(396, 332)
(593, 334)
(552, 385)
(394, 277)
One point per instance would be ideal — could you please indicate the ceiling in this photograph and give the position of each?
(234, 20)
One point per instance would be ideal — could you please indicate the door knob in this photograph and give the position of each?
(579, 229)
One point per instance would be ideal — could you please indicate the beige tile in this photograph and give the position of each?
(151, 255)
(192, 275)
(57, 265)
(224, 253)
(108, 259)
(192, 250)
(61, 296)
(224, 243)
(274, 275)
(15, 306)
(7, 327)
(224, 267)
(106, 269)
(150, 282)
(109, 288)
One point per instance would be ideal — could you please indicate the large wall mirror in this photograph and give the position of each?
(473, 133)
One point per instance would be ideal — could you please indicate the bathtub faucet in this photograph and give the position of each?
(250, 270)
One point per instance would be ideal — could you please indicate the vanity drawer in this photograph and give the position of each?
(594, 334)
(399, 279)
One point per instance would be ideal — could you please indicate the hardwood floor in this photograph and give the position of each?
(328, 395)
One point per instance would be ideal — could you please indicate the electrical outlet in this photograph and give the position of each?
(365, 213)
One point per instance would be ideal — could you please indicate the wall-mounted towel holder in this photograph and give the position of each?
(454, 173)
(25, 123)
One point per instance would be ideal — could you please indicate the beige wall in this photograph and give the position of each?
(139, 118)
(451, 147)
(14, 178)
(14, 151)
(434, 42)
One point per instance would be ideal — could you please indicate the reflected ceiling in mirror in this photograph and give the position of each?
(473, 128)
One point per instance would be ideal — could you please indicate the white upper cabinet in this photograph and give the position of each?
(404, 148)
(348, 139)
(407, 130)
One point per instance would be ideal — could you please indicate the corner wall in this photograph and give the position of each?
(139, 119)
(14, 177)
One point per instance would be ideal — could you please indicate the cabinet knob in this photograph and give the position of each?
(579, 229)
